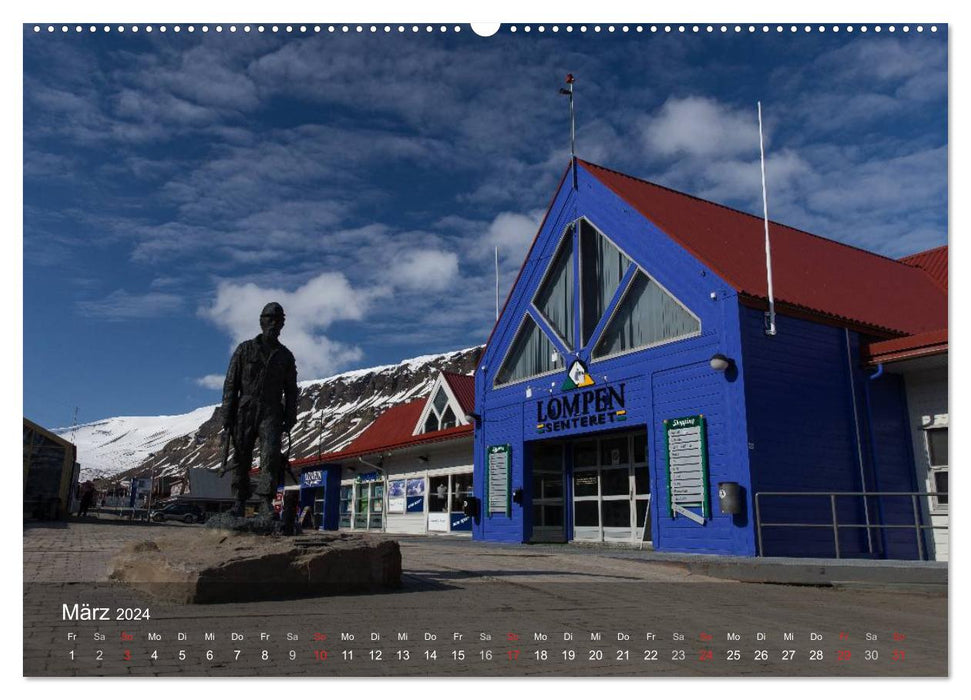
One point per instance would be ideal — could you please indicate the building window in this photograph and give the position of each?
(602, 267)
(646, 316)
(937, 456)
(441, 415)
(531, 354)
(554, 300)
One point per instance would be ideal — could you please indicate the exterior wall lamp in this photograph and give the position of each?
(719, 362)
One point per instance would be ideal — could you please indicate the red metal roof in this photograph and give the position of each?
(810, 272)
(933, 262)
(463, 386)
(390, 431)
(908, 347)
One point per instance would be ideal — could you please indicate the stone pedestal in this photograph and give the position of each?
(197, 565)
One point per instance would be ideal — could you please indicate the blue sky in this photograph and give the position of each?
(174, 183)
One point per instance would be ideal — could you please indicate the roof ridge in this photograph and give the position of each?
(744, 213)
(924, 252)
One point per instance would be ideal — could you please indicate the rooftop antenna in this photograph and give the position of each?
(770, 316)
(497, 283)
(573, 130)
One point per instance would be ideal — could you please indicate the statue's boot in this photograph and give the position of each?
(266, 508)
(238, 510)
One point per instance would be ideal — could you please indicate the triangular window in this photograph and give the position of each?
(441, 415)
(531, 353)
(647, 315)
(602, 266)
(555, 296)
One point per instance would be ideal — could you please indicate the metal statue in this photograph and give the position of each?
(259, 401)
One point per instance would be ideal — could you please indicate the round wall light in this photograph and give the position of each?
(719, 362)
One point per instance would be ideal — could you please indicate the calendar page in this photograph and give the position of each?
(675, 301)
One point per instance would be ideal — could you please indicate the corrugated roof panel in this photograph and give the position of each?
(811, 272)
(933, 262)
(463, 386)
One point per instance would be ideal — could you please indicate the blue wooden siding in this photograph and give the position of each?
(805, 433)
(893, 465)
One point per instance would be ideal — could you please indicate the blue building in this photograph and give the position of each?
(632, 391)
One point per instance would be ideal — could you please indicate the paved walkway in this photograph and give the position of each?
(469, 608)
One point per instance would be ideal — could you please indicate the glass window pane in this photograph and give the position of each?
(552, 486)
(603, 266)
(552, 515)
(640, 447)
(645, 316)
(431, 423)
(642, 482)
(547, 457)
(440, 400)
(448, 418)
(585, 454)
(641, 514)
(537, 515)
(615, 482)
(937, 446)
(586, 514)
(437, 494)
(584, 483)
(461, 490)
(531, 354)
(616, 513)
(940, 485)
(555, 296)
(613, 451)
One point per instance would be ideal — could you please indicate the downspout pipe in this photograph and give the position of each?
(859, 442)
(873, 452)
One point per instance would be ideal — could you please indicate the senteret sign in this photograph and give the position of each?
(592, 406)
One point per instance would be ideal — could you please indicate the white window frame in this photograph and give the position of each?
(429, 409)
(505, 357)
(596, 341)
(932, 469)
(567, 344)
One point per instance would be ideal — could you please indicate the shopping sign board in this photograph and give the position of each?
(686, 444)
(498, 478)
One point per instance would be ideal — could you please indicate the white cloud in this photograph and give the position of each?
(700, 126)
(433, 270)
(513, 233)
(310, 310)
(211, 381)
(122, 305)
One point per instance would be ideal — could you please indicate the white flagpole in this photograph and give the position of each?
(770, 317)
(497, 283)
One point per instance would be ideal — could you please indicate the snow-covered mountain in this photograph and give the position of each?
(330, 413)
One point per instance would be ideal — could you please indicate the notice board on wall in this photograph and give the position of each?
(498, 478)
(686, 444)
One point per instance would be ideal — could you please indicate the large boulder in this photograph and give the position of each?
(197, 565)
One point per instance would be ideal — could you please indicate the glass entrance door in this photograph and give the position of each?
(548, 512)
(611, 488)
(361, 505)
(369, 505)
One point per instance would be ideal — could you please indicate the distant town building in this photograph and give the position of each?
(50, 474)
(409, 472)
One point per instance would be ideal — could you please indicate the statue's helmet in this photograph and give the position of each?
(272, 309)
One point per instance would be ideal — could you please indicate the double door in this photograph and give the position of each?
(608, 489)
(362, 506)
(611, 488)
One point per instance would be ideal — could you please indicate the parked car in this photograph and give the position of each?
(186, 512)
